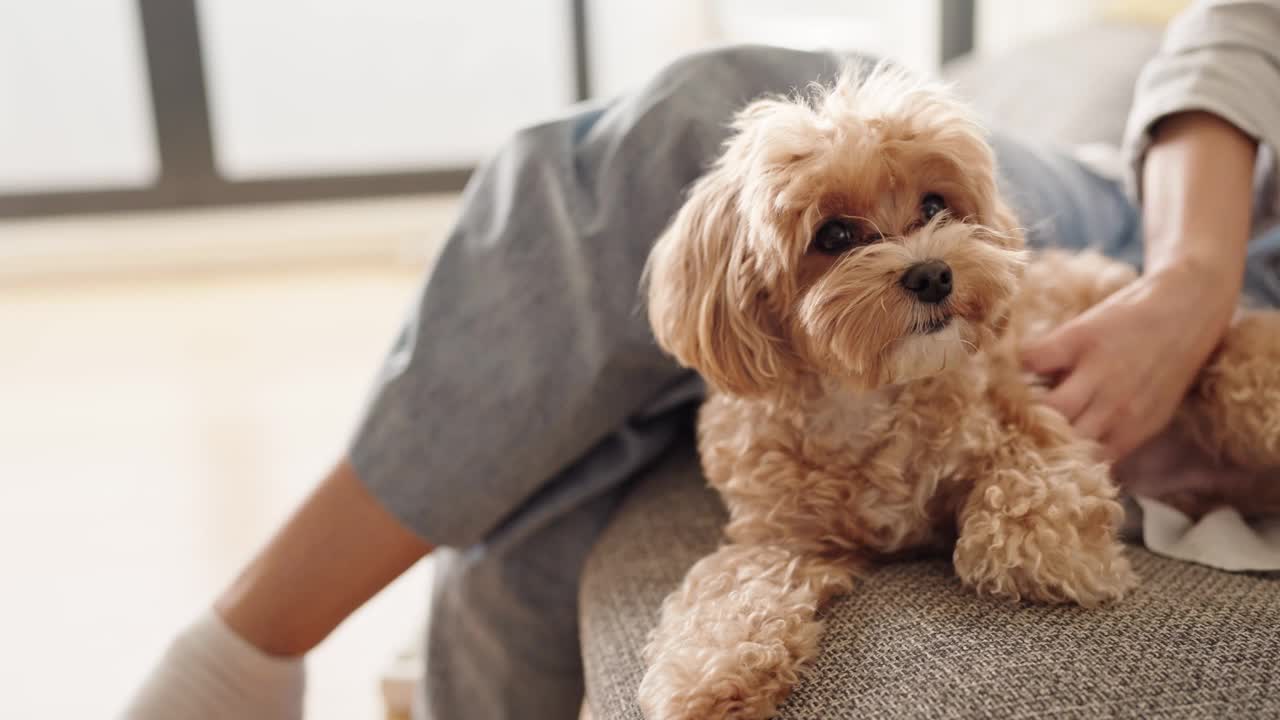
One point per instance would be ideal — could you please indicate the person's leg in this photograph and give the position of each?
(502, 637)
(528, 355)
(528, 344)
(242, 658)
(525, 355)
(1262, 269)
(1063, 204)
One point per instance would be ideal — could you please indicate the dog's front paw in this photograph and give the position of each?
(745, 679)
(1054, 545)
(1069, 572)
(730, 688)
(736, 636)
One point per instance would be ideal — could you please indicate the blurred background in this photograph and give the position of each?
(213, 214)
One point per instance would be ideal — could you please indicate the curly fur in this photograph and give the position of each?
(844, 426)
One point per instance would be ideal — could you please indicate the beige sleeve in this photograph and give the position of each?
(1223, 57)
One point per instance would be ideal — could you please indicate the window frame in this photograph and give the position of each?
(188, 176)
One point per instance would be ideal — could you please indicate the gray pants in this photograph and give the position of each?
(526, 392)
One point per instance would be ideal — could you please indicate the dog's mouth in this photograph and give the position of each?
(933, 325)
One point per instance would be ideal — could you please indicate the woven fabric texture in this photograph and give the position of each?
(911, 642)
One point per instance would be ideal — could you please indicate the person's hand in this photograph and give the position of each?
(1124, 366)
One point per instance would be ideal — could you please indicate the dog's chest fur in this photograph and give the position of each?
(881, 470)
(848, 419)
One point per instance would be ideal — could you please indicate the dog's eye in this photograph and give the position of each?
(835, 237)
(930, 205)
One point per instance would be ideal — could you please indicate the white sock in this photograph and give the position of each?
(209, 672)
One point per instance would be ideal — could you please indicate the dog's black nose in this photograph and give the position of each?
(929, 280)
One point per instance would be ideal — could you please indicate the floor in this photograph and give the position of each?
(155, 426)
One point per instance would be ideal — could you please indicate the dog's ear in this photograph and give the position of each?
(706, 294)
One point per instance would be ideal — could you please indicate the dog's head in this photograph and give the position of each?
(854, 234)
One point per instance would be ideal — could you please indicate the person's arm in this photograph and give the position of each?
(243, 658)
(1198, 185)
(1129, 360)
(337, 550)
(1203, 106)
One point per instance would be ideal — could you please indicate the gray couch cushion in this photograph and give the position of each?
(1072, 88)
(911, 642)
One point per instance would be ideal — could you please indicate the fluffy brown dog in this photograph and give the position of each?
(849, 283)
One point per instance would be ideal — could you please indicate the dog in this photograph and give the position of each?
(852, 287)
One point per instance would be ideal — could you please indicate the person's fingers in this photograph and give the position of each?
(1075, 392)
(1135, 424)
(1096, 419)
(1121, 441)
(1052, 353)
